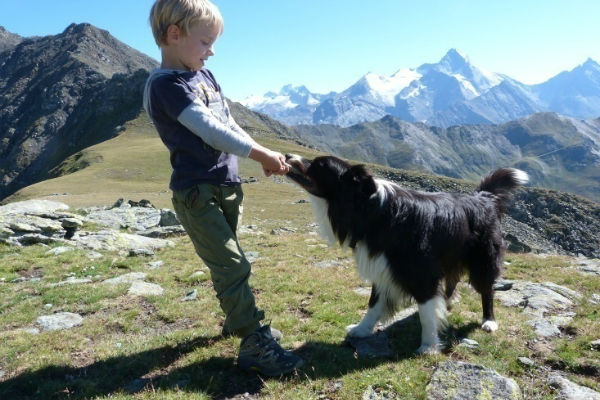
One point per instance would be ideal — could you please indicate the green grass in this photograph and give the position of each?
(172, 349)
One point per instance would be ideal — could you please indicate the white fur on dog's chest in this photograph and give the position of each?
(372, 269)
(320, 209)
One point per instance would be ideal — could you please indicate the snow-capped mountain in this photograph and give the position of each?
(452, 91)
(293, 105)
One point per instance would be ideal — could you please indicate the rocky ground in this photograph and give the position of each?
(138, 229)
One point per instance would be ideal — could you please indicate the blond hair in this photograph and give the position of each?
(183, 14)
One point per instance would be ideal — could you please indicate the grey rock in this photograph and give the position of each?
(252, 256)
(32, 207)
(250, 230)
(595, 345)
(537, 299)
(371, 394)
(197, 275)
(282, 231)
(461, 381)
(93, 255)
(528, 362)
(155, 264)
(139, 288)
(72, 281)
(114, 241)
(191, 295)
(503, 285)
(30, 239)
(59, 321)
(327, 264)
(141, 253)
(71, 223)
(126, 278)
(137, 218)
(469, 344)
(588, 266)
(401, 317)
(544, 328)
(546, 302)
(168, 218)
(374, 346)
(163, 232)
(60, 250)
(567, 390)
(363, 291)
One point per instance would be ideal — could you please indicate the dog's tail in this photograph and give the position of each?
(501, 183)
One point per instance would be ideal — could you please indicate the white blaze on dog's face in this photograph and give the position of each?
(319, 177)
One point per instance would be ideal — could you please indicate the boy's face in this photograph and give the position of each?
(190, 52)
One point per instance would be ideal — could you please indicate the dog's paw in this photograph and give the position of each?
(489, 326)
(356, 330)
(429, 348)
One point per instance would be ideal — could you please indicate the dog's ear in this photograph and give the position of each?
(359, 178)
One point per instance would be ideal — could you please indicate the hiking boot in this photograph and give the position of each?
(275, 333)
(260, 352)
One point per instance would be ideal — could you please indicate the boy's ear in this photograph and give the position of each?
(173, 33)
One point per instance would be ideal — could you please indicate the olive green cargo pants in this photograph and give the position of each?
(210, 215)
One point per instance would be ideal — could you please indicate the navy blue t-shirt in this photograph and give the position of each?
(193, 161)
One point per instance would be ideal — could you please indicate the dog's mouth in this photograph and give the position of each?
(298, 167)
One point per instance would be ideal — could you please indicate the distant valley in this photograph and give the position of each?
(558, 152)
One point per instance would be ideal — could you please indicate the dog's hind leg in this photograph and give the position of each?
(377, 302)
(432, 314)
(452, 297)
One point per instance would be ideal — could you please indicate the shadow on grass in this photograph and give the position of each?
(218, 376)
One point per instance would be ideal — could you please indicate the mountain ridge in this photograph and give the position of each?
(558, 152)
(450, 92)
(60, 94)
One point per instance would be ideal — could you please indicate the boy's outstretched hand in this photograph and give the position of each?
(273, 163)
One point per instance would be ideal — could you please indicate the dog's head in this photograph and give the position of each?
(329, 176)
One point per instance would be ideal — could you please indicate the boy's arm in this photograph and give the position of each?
(232, 122)
(198, 119)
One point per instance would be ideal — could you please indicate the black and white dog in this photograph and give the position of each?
(410, 244)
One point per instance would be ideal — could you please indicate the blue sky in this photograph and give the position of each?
(329, 44)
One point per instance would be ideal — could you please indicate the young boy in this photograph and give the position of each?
(193, 120)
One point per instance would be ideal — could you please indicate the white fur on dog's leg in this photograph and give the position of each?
(358, 331)
(432, 315)
(365, 327)
(489, 326)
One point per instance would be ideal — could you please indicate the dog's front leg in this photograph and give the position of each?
(487, 301)
(366, 325)
(432, 315)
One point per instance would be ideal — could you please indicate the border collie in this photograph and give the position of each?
(410, 244)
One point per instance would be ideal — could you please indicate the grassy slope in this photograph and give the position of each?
(174, 347)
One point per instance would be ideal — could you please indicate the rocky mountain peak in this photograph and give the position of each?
(8, 40)
(62, 93)
(454, 61)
